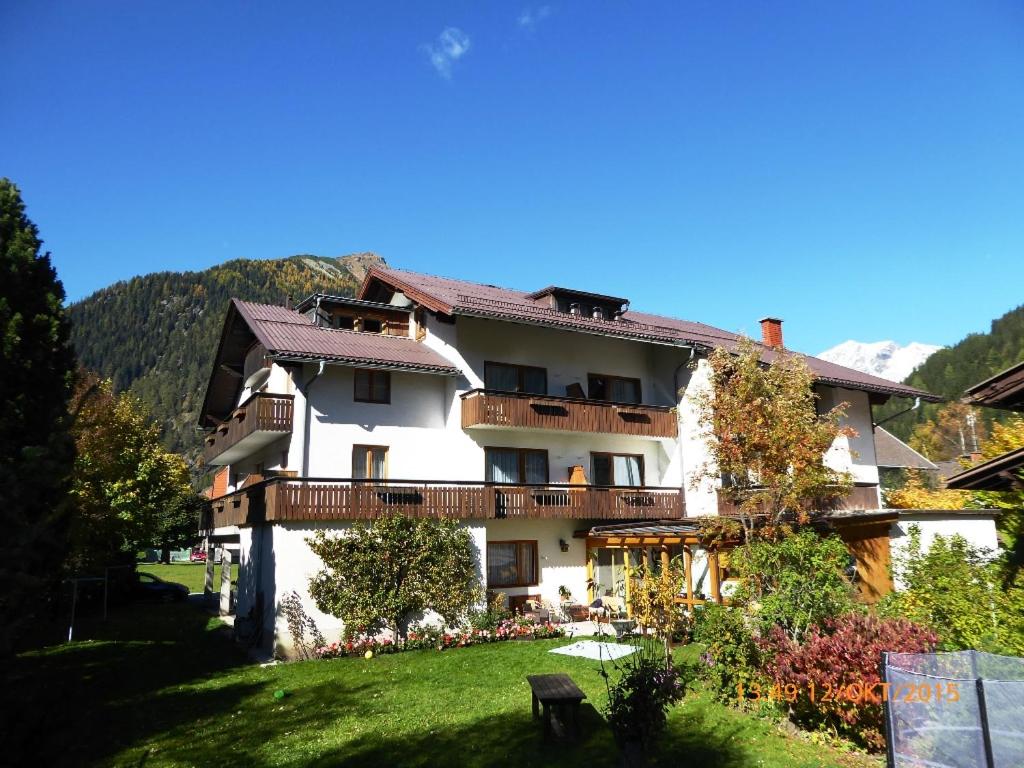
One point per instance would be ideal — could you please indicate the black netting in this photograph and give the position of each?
(941, 706)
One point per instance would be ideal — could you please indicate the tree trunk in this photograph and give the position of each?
(165, 554)
(632, 754)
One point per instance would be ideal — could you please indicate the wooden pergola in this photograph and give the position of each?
(661, 536)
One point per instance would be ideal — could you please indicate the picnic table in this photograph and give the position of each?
(552, 691)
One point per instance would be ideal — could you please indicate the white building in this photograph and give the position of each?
(530, 417)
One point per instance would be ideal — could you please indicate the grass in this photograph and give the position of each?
(192, 575)
(163, 685)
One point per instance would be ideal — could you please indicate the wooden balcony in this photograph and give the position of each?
(244, 507)
(284, 499)
(859, 497)
(487, 408)
(256, 423)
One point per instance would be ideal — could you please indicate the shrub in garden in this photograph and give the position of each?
(638, 702)
(839, 665)
(382, 575)
(492, 615)
(306, 636)
(955, 589)
(731, 658)
(793, 582)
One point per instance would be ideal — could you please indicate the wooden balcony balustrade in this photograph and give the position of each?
(283, 499)
(491, 408)
(859, 497)
(255, 423)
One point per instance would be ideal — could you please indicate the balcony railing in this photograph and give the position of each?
(859, 497)
(491, 408)
(283, 499)
(255, 423)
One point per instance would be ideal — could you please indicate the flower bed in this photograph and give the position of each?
(434, 638)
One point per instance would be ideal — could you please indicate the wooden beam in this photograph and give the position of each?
(716, 587)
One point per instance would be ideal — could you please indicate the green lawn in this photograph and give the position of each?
(192, 575)
(163, 685)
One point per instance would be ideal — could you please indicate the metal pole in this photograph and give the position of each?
(890, 749)
(983, 712)
(74, 601)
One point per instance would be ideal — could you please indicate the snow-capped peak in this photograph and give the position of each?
(880, 358)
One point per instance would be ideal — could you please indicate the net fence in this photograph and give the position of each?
(954, 710)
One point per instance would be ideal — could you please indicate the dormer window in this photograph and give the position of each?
(593, 306)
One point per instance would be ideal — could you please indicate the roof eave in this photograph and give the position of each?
(361, 362)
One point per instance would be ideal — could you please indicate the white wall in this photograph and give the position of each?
(979, 529)
(289, 564)
(855, 455)
(700, 492)
(555, 568)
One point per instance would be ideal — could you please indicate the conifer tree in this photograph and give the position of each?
(36, 452)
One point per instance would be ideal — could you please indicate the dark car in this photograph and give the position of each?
(150, 587)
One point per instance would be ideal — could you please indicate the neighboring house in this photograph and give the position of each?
(894, 458)
(1005, 391)
(553, 424)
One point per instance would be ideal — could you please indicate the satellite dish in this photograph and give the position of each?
(258, 379)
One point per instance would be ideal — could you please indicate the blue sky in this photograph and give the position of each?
(853, 167)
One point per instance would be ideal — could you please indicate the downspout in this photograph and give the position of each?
(308, 416)
(914, 407)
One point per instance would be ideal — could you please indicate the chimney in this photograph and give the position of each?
(288, 301)
(771, 332)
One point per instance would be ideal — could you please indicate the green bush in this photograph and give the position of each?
(731, 660)
(959, 592)
(793, 582)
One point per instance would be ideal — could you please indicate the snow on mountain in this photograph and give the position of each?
(880, 358)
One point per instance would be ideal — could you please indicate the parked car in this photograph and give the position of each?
(197, 556)
(150, 587)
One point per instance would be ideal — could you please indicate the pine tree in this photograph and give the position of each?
(36, 451)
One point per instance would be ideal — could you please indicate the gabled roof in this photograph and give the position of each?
(1003, 473)
(458, 297)
(890, 451)
(1004, 390)
(287, 334)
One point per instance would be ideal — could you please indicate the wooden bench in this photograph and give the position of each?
(552, 691)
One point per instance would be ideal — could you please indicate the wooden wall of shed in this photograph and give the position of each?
(869, 545)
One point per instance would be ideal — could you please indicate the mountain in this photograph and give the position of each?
(881, 358)
(156, 335)
(953, 369)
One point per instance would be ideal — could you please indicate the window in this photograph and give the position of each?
(511, 563)
(516, 465)
(344, 322)
(372, 386)
(369, 462)
(516, 378)
(372, 326)
(614, 389)
(618, 469)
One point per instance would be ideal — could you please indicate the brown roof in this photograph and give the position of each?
(451, 297)
(288, 334)
(1003, 473)
(890, 451)
(1004, 390)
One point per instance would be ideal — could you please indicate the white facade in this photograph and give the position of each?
(421, 428)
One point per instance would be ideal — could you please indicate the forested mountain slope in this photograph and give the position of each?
(156, 334)
(950, 371)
